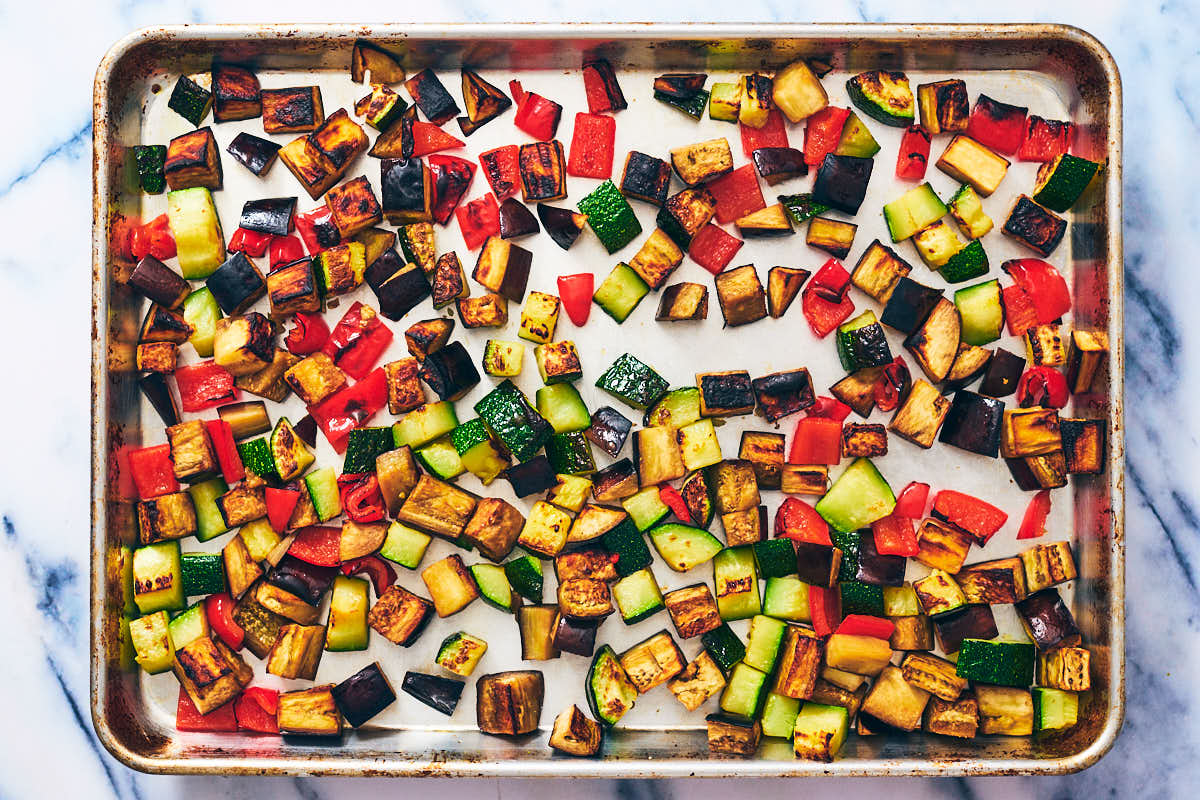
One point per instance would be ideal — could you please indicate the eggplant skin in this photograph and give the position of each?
(253, 153)
(1036, 227)
(509, 703)
(440, 694)
(363, 695)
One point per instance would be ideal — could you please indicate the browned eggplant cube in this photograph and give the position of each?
(311, 167)
(292, 289)
(369, 58)
(543, 172)
(741, 296)
(575, 733)
(782, 393)
(509, 703)
(656, 259)
(700, 680)
(353, 206)
(404, 385)
(783, 286)
(503, 267)
(693, 610)
(484, 101)
(399, 615)
(268, 382)
(863, 440)
(682, 302)
(191, 451)
(997, 582)
(730, 735)
(169, 516)
(942, 546)
(297, 651)
(958, 718)
(921, 416)
(192, 160)
(494, 528)
(236, 93)
(407, 190)
(765, 452)
(438, 507)
(812, 479)
(428, 336)
(485, 311)
(818, 564)
(725, 394)
(1088, 351)
(315, 378)
(340, 139)
(745, 527)
(645, 178)
(450, 585)
(241, 505)
(1030, 432)
(210, 673)
(1036, 227)
(800, 658)
(449, 281)
(294, 110)
(309, 712)
(653, 661)
(157, 357)
(431, 97)
(1083, 445)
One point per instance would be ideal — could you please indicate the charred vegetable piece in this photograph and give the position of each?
(450, 372)
(778, 164)
(645, 178)
(575, 734)
(1034, 226)
(884, 96)
(974, 423)
(615, 482)
(407, 190)
(563, 225)
(783, 286)
(381, 108)
(944, 106)
(484, 101)
(431, 97)
(363, 695)
(192, 97)
(192, 160)
(741, 296)
(503, 267)
(603, 91)
(692, 106)
(966, 160)
(440, 694)
(724, 394)
(543, 171)
(516, 220)
(368, 57)
(841, 182)
(609, 430)
(294, 110)
(253, 153)
(509, 703)
(685, 213)
(428, 336)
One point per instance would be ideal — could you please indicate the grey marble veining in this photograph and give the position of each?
(51, 48)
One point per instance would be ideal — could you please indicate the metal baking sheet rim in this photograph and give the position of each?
(449, 766)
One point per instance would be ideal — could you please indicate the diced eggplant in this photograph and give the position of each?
(575, 734)
(158, 282)
(1036, 227)
(158, 392)
(783, 286)
(841, 182)
(273, 215)
(879, 272)
(1030, 432)
(431, 97)
(1048, 621)
(993, 582)
(368, 57)
(732, 735)
(702, 162)
(399, 615)
(516, 220)
(934, 343)
(767, 222)
(914, 632)
(157, 357)
(193, 160)
(164, 325)
(943, 106)
(1088, 351)
(615, 482)
(812, 479)
(1048, 565)
(833, 236)
(531, 477)
(942, 545)
(800, 657)
(353, 207)
(971, 622)
(503, 267)
(1083, 445)
(877, 569)
(609, 430)
(693, 610)
(407, 191)
(1066, 668)
(449, 281)
(396, 141)
(782, 393)
(483, 100)
(253, 153)
(741, 296)
(700, 680)
(308, 582)
(363, 695)
(646, 178)
(428, 336)
(724, 394)
(450, 372)
(244, 345)
(236, 93)
(577, 637)
(685, 213)
(683, 85)
(683, 302)
(485, 311)
(562, 224)
(974, 423)
(778, 164)
(440, 694)
(970, 362)
(543, 172)
(509, 703)
(237, 284)
(920, 417)
(656, 259)
(765, 451)
(909, 305)
(857, 390)
(294, 110)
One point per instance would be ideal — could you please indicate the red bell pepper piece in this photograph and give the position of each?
(772, 134)
(891, 383)
(822, 132)
(152, 239)
(592, 146)
(818, 440)
(502, 169)
(1042, 386)
(536, 115)
(1045, 139)
(1019, 313)
(317, 230)
(575, 292)
(973, 515)
(350, 408)
(307, 335)
(713, 248)
(1033, 524)
(895, 536)
(914, 154)
(1045, 286)
(450, 177)
(121, 473)
(866, 625)
(120, 235)
(189, 718)
(825, 301)
(218, 608)
(825, 606)
(220, 433)
(799, 521)
(997, 125)
(153, 471)
(737, 194)
(379, 571)
(674, 501)
(829, 408)
(362, 500)
(478, 220)
(204, 385)
(252, 243)
(912, 500)
(281, 504)
(429, 138)
(600, 86)
(318, 545)
(358, 340)
(257, 710)
(285, 250)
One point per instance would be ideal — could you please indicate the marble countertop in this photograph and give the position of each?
(51, 48)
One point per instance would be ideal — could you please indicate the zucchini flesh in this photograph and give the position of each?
(762, 646)
(637, 596)
(684, 547)
(744, 692)
(779, 715)
(786, 598)
(610, 693)
(736, 579)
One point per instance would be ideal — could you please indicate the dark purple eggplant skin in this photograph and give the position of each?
(727, 391)
(841, 182)
(909, 305)
(779, 164)
(403, 181)
(782, 393)
(516, 274)
(875, 568)
(402, 291)
(609, 430)
(575, 637)
(363, 695)
(450, 372)
(158, 282)
(382, 268)
(1048, 621)
(431, 97)
(646, 178)
(973, 423)
(680, 84)
(1037, 228)
(307, 581)
(970, 622)
(272, 215)
(560, 224)
(236, 284)
(614, 473)
(440, 694)
(816, 564)
(253, 153)
(1003, 372)
(306, 429)
(157, 389)
(516, 220)
(531, 477)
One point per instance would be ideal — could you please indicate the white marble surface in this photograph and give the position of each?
(49, 54)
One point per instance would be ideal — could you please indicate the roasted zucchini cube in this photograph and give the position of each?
(399, 615)
(503, 267)
(192, 97)
(702, 162)
(653, 661)
(543, 171)
(645, 178)
(756, 103)
(1044, 345)
(699, 680)
(157, 357)
(407, 190)
(968, 161)
(942, 546)
(741, 296)
(381, 108)
(943, 106)
(539, 317)
(684, 214)
(292, 289)
(545, 530)
(403, 385)
(243, 345)
(878, 271)
(438, 507)
(657, 258)
(558, 362)
(765, 452)
(294, 110)
(193, 160)
(297, 651)
(1083, 445)
(169, 516)
(315, 378)
(683, 302)
(341, 268)
(236, 93)
(241, 505)
(1030, 432)
(191, 451)
(149, 159)
(1032, 225)
(1048, 565)
(725, 394)
(353, 207)
(488, 310)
